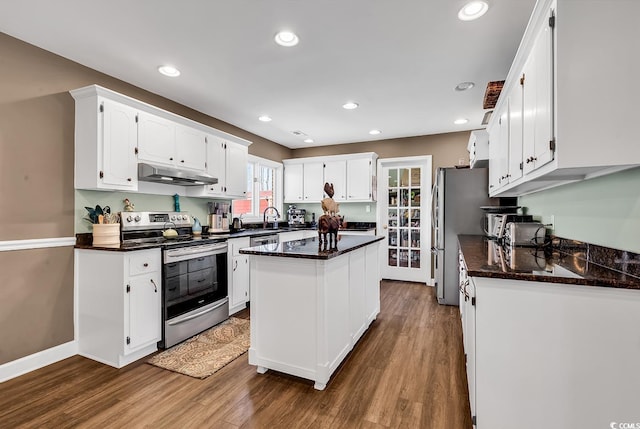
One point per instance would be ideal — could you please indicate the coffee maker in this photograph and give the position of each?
(296, 216)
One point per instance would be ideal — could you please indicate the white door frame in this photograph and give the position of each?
(422, 274)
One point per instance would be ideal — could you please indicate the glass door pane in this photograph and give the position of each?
(405, 202)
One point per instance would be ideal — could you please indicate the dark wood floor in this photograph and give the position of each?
(407, 371)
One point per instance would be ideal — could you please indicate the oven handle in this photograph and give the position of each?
(193, 316)
(218, 248)
(182, 254)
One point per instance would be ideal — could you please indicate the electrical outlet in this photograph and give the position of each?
(549, 222)
(367, 208)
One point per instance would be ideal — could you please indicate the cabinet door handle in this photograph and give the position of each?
(235, 265)
(171, 159)
(146, 264)
(182, 160)
(128, 179)
(155, 287)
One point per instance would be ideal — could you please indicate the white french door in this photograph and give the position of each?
(404, 217)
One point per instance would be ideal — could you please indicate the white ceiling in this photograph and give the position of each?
(400, 60)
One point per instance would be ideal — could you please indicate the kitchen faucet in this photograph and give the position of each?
(275, 220)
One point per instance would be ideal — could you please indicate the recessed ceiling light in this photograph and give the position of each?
(350, 105)
(461, 121)
(463, 86)
(473, 10)
(374, 132)
(286, 38)
(264, 118)
(169, 71)
(308, 140)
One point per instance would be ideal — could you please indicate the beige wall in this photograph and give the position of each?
(446, 149)
(36, 180)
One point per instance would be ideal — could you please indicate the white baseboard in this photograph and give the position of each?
(38, 360)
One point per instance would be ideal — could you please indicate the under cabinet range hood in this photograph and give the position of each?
(173, 176)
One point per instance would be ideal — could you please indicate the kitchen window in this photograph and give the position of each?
(264, 189)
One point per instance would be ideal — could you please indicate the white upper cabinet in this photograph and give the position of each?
(293, 176)
(313, 181)
(336, 172)
(353, 178)
(537, 84)
(566, 123)
(105, 143)
(236, 169)
(361, 178)
(191, 148)
(303, 181)
(113, 133)
(227, 162)
(156, 139)
(164, 142)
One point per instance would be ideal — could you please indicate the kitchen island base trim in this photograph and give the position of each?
(307, 315)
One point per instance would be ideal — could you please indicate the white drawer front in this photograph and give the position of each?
(146, 261)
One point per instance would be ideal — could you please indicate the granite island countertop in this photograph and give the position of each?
(564, 261)
(310, 248)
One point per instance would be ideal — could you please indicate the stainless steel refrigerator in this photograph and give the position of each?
(457, 197)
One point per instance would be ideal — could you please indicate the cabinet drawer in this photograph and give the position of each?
(176, 287)
(175, 269)
(201, 263)
(144, 262)
(200, 281)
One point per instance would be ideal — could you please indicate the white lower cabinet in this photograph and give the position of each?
(119, 304)
(549, 355)
(238, 275)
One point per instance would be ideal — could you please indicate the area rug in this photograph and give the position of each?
(206, 353)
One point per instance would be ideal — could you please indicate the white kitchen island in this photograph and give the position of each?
(309, 307)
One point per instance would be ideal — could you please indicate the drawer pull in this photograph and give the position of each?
(146, 264)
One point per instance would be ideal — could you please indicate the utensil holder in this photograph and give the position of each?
(106, 233)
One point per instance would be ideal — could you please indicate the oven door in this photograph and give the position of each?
(195, 292)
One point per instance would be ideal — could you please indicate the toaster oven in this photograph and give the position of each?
(524, 234)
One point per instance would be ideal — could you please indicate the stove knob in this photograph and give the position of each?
(137, 218)
(173, 217)
(129, 219)
(184, 217)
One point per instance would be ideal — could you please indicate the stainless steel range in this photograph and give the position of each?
(194, 272)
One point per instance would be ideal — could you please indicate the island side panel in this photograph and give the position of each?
(357, 299)
(372, 282)
(284, 314)
(334, 336)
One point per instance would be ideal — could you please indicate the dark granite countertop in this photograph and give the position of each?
(564, 261)
(310, 248)
(83, 241)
